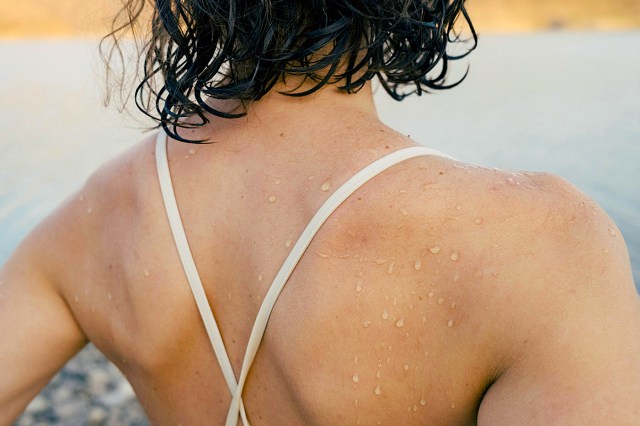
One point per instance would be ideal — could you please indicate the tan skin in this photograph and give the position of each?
(466, 295)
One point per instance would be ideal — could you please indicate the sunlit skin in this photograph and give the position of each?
(439, 293)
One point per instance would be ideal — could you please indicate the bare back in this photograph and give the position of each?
(434, 290)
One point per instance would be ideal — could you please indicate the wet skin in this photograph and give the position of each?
(438, 293)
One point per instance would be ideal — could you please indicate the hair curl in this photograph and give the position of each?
(239, 49)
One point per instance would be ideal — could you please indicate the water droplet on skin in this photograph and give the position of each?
(359, 287)
(192, 151)
(326, 186)
(260, 278)
(415, 408)
(424, 319)
(430, 294)
(277, 181)
(310, 178)
(146, 272)
(400, 323)
(450, 323)
(395, 302)
(453, 405)
(229, 297)
(406, 367)
(403, 191)
(366, 323)
(453, 305)
(356, 404)
(455, 256)
(440, 301)
(272, 199)
(435, 249)
(385, 315)
(418, 264)
(355, 359)
(391, 265)
(89, 210)
(426, 354)
(478, 221)
(287, 243)
(356, 378)
(380, 261)
(378, 374)
(323, 255)
(377, 390)
(612, 232)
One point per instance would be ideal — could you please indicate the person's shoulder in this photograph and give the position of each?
(507, 240)
(118, 180)
(108, 194)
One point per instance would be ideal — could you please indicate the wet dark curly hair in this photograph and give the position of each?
(239, 49)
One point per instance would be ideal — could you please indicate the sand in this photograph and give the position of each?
(68, 18)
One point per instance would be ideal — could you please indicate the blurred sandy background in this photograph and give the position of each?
(65, 18)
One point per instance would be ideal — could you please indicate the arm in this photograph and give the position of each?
(38, 332)
(576, 358)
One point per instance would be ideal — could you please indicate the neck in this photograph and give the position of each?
(278, 113)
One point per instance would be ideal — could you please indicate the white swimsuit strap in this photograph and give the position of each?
(329, 206)
(189, 266)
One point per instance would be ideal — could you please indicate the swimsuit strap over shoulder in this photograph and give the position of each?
(330, 205)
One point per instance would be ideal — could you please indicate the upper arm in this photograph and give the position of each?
(575, 354)
(38, 332)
